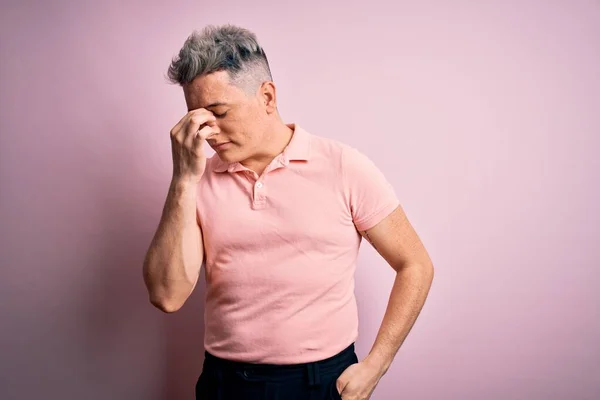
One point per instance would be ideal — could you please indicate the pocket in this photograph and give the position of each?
(333, 392)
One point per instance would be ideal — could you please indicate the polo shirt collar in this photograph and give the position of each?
(297, 150)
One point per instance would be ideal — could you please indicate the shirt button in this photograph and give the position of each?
(259, 185)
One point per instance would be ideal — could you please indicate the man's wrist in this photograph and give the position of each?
(379, 362)
(180, 182)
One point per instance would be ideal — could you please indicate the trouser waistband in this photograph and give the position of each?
(312, 370)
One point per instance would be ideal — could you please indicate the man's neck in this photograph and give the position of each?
(276, 142)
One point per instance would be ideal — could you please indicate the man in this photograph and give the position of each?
(276, 216)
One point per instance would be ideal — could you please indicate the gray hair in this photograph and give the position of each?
(222, 48)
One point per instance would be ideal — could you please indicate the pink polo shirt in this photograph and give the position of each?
(281, 250)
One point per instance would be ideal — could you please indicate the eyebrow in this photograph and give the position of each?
(216, 104)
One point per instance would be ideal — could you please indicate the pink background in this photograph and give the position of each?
(484, 117)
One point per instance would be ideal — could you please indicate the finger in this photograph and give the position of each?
(205, 132)
(180, 124)
(179, 128)
(191, 123)
(211, 122)
(176, 130)
(197, 120)
(192, 130)
(340, 385)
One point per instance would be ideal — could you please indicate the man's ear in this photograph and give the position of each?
(268, 96)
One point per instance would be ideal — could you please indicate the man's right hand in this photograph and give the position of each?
(187, 138)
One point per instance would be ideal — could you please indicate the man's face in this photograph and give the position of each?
(242, 118)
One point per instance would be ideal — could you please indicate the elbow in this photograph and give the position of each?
(429, 271)
(423, 270)
(166, 305)
(166, 299)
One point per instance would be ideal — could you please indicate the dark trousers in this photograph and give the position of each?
(229, 380)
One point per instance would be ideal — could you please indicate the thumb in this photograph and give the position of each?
(342, 382)
(205, 133)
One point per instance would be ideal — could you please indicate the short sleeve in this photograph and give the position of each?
(368, 193)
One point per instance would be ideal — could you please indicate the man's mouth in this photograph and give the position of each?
(218, 145)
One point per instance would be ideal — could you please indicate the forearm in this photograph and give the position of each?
(173, 261)
(406, 300)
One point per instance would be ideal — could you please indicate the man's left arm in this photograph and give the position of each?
(396, 241)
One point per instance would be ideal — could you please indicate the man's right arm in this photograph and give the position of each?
(173, 261)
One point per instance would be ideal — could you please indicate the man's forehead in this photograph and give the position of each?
(198, 104)
(210, 91)
(198, 98)
(216, 81)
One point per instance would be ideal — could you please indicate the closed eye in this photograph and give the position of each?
(220, 115)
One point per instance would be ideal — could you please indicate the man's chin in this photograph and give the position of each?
(227, 156)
